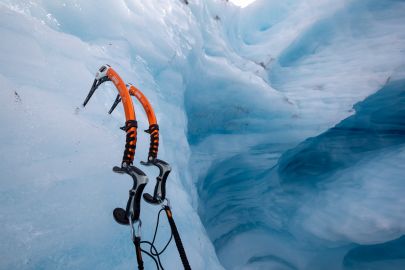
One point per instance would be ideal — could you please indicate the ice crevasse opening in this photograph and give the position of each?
(283, 122)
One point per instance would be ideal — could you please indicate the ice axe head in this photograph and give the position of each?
(101, 76)
(102, 72)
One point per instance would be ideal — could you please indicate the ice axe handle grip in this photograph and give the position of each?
(134, 202)
(140, 180)
(159, 194)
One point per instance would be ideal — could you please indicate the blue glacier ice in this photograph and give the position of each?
(284, 122)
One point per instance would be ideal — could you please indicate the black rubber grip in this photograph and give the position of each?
(163, 185)
(154, 141)
(130, 146)
(177, 239)
(137, 201)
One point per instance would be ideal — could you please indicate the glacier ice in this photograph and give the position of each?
(57, 188)
(268, 208)
(283, 122)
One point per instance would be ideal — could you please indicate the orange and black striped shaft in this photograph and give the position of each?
(130, 124)
(153, 126)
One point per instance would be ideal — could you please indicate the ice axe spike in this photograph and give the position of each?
(116, 102)
(91, 92)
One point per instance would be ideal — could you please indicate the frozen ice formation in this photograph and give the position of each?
(283, 122)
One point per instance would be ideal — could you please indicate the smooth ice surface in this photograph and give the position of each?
(283, 122)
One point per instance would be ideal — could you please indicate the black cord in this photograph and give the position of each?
(150, 255)
(154, 236)
(153, 252)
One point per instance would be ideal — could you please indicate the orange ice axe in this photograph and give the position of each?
(132, 211)
(159, 194)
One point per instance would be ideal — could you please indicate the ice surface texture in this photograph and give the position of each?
(273, 167)
(57, 188)
(333, 198)
(334, 201)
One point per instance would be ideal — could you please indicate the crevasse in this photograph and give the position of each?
(283, 122)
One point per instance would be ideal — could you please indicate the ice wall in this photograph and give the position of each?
(238, 93)
(327, 203)
(57, 187)
(333, 202)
